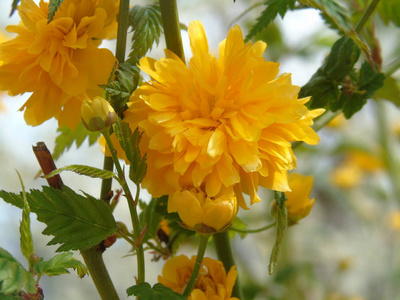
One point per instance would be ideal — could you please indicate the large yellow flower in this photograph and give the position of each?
(213, 282)
(219, 122)
(58, 62)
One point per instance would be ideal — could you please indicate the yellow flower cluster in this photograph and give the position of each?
(219, 126)
(58, 61)
(213, 282)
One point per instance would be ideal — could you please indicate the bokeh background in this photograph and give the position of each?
(347, 248)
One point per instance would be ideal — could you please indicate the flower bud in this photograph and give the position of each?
(97, 114)
(202, 213)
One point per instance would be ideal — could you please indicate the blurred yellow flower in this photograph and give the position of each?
(298, 201)
(58, 62)
(219, 122)
(350, 172)
(213, 282)
(337, 121)
(97, 114)
(394, 220)
(202, 213)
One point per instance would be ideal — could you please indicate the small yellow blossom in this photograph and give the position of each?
(298, 203)
(97, 114)
(202, 213)
(219, 123)
(394, 220)
(58, 61)
(337, 121)
(213, 282)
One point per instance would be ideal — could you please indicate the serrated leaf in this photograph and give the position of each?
(13, 276)
(12, 198)
(158, 292)
(129, 142)
(120, 89)
(146, 25)
(274, 7)
(14, 6)
(75, 221)
(281, 225)
(390, 91)
(53, 6)
(83, 170)
(67, 137)
(26, 241)
(59, 264)
(10, 297)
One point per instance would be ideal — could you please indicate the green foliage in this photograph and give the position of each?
(390, 11)
(146, 25)
(14, 6)
(83, 170)
(151, 216)
(25, 228)
(120, 89)
(60, 264)
(129, 141)
(238, 224)
(67, 137)
(390, 91)
(76, 222)
(13, 276)
(337, 86)
(53, 6)
(158, 292)
(281, 226)
(274, 7)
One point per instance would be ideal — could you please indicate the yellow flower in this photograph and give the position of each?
(202, 213)
(97, 114)
(394, 220)
(219, 122)
(3, 38)
(298, 203)
(213, 282)
(337, 121)
(58, 62)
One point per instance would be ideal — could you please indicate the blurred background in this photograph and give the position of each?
(347, 248)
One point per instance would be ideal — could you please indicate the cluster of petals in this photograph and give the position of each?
(298, 201)
(213, 282)
(58, 62)
(219, 123)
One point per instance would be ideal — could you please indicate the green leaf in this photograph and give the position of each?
(120, 89)
(83, 170)
(67, 137)
(10, 297)
(281, 225)
(129, 141)
(53, 6)
(13, 199)
(390, 91)
(14, 6)
(390, 11)
(274, 7)
(26, 241)
(13, 276)
(158, 292)
(59, 264)
(151, 216)
(76, 222)
(146, 25)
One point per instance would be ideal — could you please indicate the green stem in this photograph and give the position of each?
(123, 23)
(225, 255)
(370, 9)
(132, 208)
(94, 261)
(106, 183)
(172, 32)
(388, 157)
(392, 67)
(199, 259)
(253, 230)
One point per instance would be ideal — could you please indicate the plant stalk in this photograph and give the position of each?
(123, 24)
(132, 208)
(196, 269)
(253, 230)
(171, 25)
(370, 9)
(225, 255)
